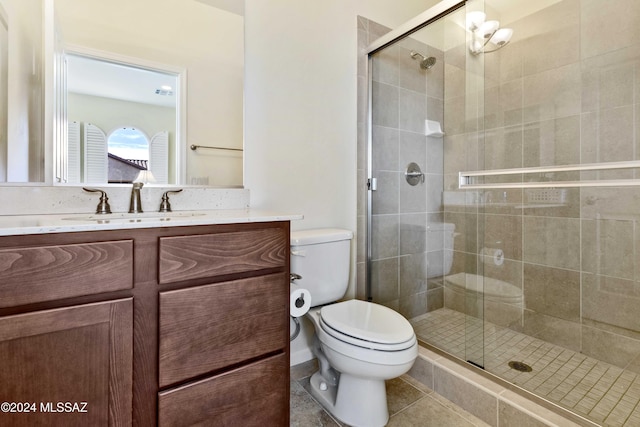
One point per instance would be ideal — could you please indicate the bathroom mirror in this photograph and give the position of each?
(204, 38)
(123, 118)
(21, 91)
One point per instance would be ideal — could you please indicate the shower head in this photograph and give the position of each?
(425, 63)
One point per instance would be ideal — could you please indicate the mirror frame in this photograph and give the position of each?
(181, 107)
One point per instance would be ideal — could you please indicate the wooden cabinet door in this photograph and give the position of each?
(255, 395)
(70, 366)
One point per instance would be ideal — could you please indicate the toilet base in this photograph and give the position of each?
(358, 402)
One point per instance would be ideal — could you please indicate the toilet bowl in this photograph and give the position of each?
(358, 344)
(366, 344)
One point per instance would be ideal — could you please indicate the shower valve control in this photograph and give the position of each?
(413, 174)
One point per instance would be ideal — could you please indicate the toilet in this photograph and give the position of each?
(358, 344)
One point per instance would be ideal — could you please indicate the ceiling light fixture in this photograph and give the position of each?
(165, 90)
(485, 32)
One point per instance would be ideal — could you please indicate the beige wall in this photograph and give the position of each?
(301, 93)
(301, 119)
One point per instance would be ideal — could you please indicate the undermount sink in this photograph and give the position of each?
(135, 217)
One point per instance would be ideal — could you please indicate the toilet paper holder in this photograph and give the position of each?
(494, 255)
(300, 300)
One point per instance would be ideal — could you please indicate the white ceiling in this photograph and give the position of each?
(110, 80)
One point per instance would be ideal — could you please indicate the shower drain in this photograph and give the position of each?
(520, 366)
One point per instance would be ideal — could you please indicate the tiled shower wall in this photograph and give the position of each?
(566, 90)
(559, 93)
(404, 256)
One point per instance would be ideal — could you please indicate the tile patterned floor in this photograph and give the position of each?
(596, 390)
(411, 404)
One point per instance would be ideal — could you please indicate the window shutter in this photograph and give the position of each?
(73, 153)
(96, 167)
(159, 157)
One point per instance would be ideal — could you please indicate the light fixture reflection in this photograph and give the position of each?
(146, 177)
(485, 32)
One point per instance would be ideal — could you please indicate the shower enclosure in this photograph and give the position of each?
(502, 196)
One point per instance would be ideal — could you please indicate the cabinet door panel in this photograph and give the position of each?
(49, 273)
(254, 395)
(69, 355)
(210, 327)
(209, 255)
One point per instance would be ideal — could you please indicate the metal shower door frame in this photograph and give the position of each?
(417, 23)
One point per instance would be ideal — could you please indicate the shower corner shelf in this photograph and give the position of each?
(433, 129)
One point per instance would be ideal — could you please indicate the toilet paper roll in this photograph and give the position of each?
(493, 255)
(299, 300)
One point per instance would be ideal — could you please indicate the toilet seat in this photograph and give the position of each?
(367, 325)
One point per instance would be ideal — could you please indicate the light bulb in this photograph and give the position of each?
(475, 19)
(476, 46)
(502, 36)
(488, 28)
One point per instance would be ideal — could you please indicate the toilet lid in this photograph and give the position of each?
(367, 321)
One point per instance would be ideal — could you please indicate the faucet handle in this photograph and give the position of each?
(165, 206)
(103, 204)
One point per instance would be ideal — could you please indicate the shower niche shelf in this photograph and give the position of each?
(433, 129)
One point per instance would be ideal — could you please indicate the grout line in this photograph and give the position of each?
(593, 389)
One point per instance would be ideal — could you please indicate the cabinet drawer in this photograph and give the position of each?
(49, 273)
(209, 255)
(210, 327)
(254, 395)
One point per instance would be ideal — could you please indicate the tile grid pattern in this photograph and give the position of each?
(594, 389)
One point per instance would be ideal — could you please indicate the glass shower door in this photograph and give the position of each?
(423, 99)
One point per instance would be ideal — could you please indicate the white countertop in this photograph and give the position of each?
(65, 223)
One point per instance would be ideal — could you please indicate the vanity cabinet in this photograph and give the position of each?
(223, 346)
(162, 326)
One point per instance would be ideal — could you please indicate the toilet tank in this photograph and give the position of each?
(440, 235)
(322, 258)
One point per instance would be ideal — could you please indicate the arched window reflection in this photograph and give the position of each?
(128, 150)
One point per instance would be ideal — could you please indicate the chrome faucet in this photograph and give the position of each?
(135, 205)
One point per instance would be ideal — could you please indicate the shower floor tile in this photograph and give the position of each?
(593, 389)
